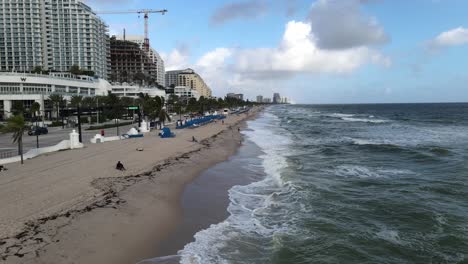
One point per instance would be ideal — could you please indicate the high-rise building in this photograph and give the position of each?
(276, 98)
(160, 73)
(188, 78)
(236, 96)
(172, 78)
(54, 35)
(130, 63)
(259, 99)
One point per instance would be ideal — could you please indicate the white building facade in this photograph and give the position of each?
(132, 90)
(54, 35)
(29, 88)
(172, 78)
(186, 92)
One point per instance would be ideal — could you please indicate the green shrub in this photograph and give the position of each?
(56, 124)
(109, 126)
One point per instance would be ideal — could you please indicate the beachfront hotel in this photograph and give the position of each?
(50, 36)
(188, 78)
(30, 88)
(53, 35)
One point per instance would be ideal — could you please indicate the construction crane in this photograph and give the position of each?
(146, 12)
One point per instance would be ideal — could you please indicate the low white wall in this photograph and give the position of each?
(64, 145)
(100, 139)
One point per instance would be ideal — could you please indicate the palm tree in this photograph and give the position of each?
(35, 108)
(17, 126)
(88, 103)
(163, 116)
(57, 101)
(76, 100)
(17, 108)
(115, 110)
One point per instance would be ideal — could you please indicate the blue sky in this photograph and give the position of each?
(323, 51)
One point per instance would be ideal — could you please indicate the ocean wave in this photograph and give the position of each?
(391, 236)
(356, 171)
(162, 260)
(365, 120)
(440, 151)
(358, 118)
(340, 115)
(250, 204)
(366, 172)
(369, 142)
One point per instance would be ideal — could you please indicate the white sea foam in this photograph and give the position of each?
(363, 142)
(366, 172)
(365, 120)
(339, 115)
(358, 118)
(391, 236)
(356, 171)
(248, 203)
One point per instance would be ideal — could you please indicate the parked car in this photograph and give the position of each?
(35, 131)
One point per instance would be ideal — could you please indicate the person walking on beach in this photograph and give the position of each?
(120, 166)
(194, 139)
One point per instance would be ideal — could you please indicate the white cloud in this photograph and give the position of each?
(176, 59)
(341, 24)
(215, 58)
(454, 37)
(297, 53)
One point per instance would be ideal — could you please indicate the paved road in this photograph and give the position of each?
(55, 136)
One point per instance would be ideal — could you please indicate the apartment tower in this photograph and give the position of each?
(54, 35)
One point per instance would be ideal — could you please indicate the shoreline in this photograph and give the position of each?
(131, 215)
(205, 200)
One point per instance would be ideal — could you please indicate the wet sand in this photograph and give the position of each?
(205, 200)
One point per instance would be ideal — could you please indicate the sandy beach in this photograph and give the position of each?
(74, 207)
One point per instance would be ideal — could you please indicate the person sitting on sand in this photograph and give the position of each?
(120, 166)
(194, 139)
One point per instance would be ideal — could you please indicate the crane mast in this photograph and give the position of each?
(146, 13)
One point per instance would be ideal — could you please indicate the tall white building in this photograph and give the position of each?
(188, 78)
(53, 34)
(153, 54)
(172, 78)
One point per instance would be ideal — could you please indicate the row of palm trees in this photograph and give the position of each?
(114, 107)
